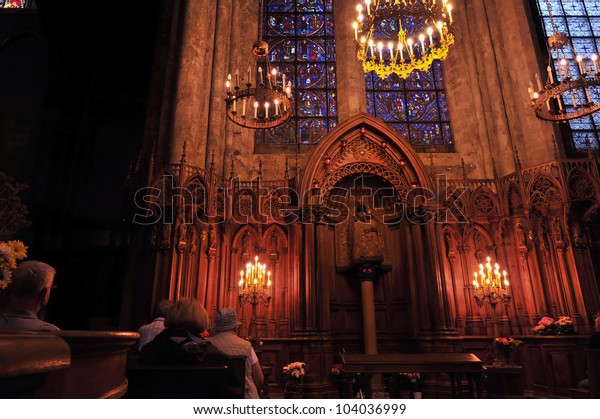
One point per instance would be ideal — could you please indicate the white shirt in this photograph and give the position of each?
(149, 331)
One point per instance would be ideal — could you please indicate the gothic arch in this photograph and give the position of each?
(363, 144)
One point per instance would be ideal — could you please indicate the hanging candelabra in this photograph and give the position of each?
(258, 98)
(401, 36)
(570, 94)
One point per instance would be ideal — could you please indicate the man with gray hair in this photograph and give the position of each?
(149, 331)
(28, 293)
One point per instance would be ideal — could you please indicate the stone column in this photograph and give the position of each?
(368, 312)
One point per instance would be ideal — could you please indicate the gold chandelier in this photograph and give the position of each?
(258, 98)
(569, 95)
(401, 36)
(255, 285)
(491, 285)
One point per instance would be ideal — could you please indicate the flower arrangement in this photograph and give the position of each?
(548, 326)
(255, 342)
(507, 344)
(10, 253)
(294, 376)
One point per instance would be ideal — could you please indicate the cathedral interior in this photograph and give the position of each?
(374, 206)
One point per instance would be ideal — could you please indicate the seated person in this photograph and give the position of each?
(594, 344)
(228, 342)
(181, 341)
(150, 330)
(28, 293)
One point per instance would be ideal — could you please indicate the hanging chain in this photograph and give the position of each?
(554, 27)
(261, 10)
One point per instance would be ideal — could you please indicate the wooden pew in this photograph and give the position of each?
(26, 361)
(219, 380)
(454, 364)
(66, 364)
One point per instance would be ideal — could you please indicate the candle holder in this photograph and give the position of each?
(492, 287)
(255, 288)
(260, 97)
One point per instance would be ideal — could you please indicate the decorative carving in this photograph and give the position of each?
(557, 233)
(483, 204)
(212, 243)
(578, 240)
(451, 245)
(181, 236)
(520, 237)
(501, 232)
(479, 244)
(165, 243)
(544, 193)
(581, 186)
(542, 239)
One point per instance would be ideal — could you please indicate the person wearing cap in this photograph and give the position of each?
(227, 341)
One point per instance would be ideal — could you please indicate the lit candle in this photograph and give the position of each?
(368, 3)
(550, 76)
(380, 48)
(244, 107)
(234, 105)
(563, 62)
(255, 110)
(249, 76)
(475, 283)
(449, 10)
(530, 90)
(422, 39)
(372, 46)
(391, 48)
(274, 76)
(228, 83)
(430, 33)
(288, 89)
(580, 62)
(538, 79)
(355, 26)
(440, 27)
(260, 76)
(410, 46)
(237, 78)
(267, 110)
(400, 48)
(594, 59)
(283, 80)
(276, 101)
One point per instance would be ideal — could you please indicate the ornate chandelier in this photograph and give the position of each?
(401, 36)
(569, 96)
(255, 285)
(491, 286)
(261, 99)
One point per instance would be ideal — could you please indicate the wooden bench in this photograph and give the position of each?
(454, 364)
(64, 364)
(593, 373)
(218, 380)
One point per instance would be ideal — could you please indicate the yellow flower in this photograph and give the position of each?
(19, 249)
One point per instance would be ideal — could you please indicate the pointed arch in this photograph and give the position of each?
(363, 144)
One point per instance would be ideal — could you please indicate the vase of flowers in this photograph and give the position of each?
(504, 348)
(294, 379)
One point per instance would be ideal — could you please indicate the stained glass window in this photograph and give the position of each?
(415, 107)
(301, 44)
(580, 21)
